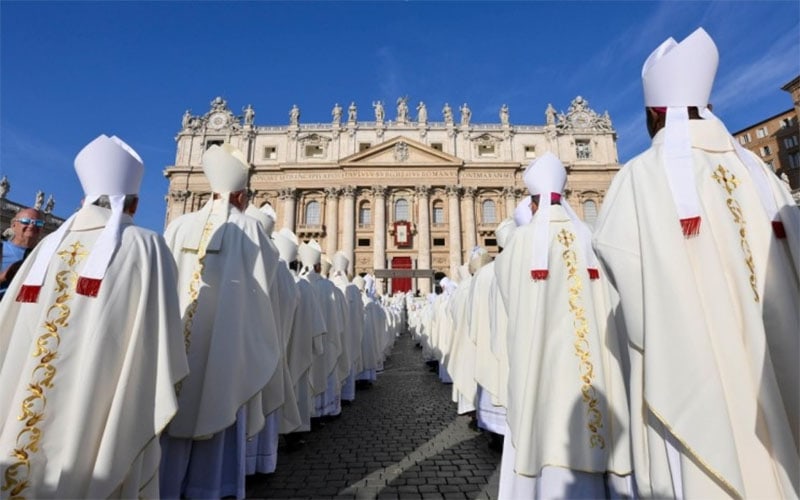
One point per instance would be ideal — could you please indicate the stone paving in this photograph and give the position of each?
(401, 438)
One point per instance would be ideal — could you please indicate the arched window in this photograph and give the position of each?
(488, 212)
(312, 213)
(401, 209)
(364, 215)
(590, 212)
(438, 212)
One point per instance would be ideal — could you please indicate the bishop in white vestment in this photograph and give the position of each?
(702, 242)
(90, 346)
(567, 410)
(354, 324)
(229, 332)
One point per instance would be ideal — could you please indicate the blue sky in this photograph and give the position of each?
(70, 71)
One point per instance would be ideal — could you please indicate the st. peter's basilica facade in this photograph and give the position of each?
(404, 197)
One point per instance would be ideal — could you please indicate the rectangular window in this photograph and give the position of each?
(438, 214)
(364, 217)
(771, 165)
(530, 152)
(363, 146)
(210, 143)
(765, 151)
(313, 151)
(794, 160)
(583, 150)
(437, 146)
(762, 132)
(270, 153)
(790, 141)
(490, 242)
(486, 150)
(438, 242)
(744, 139)
(363, 242)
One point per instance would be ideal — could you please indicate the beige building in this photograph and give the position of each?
(404, 197)
(777, 140)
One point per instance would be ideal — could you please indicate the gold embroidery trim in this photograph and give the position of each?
(17, 476)
(194, 292)
(585, 366)
(729, 182)
(194, 286)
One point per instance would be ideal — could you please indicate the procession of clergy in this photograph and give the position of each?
(655, 356)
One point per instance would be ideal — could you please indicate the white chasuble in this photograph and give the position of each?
(711, 323)
(229, 327)
(325, 362)
(87, 383)
(566, 399)
(308, 332)
(461, 358)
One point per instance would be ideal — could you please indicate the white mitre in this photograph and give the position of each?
(286, 242)
(226, 169)
(310, 254)
(523, 213)
(340, 263)
(676, 76)
(478, 258)
(504, 230)
(360, 283)
(106, 166)
(546, 177)
(258, 215)
(325, 265)
(269, 226)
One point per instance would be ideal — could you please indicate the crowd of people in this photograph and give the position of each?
(654, 356)
(136, 365)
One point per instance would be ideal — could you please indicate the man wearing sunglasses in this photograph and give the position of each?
(27, 228)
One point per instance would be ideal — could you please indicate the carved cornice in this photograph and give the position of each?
(422, 191)
(349, 191)
(288, 193)
(179, 195)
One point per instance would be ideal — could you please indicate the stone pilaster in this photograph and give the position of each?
(331, 220)
(379, 234)
(511, 200)
(455, 229)
(424, 235)
(470, 234)
(349, 230)
(289, 198)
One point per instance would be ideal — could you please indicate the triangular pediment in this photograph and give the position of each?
(401, 151)
(487, 139)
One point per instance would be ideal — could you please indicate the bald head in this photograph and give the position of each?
(25, 228)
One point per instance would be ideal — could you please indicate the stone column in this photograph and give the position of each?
(349, 230)
(424, 235)
(511, 200)
(470, 237)
(289, 198)
(379, 234)
(332, 221)
(455, 230)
